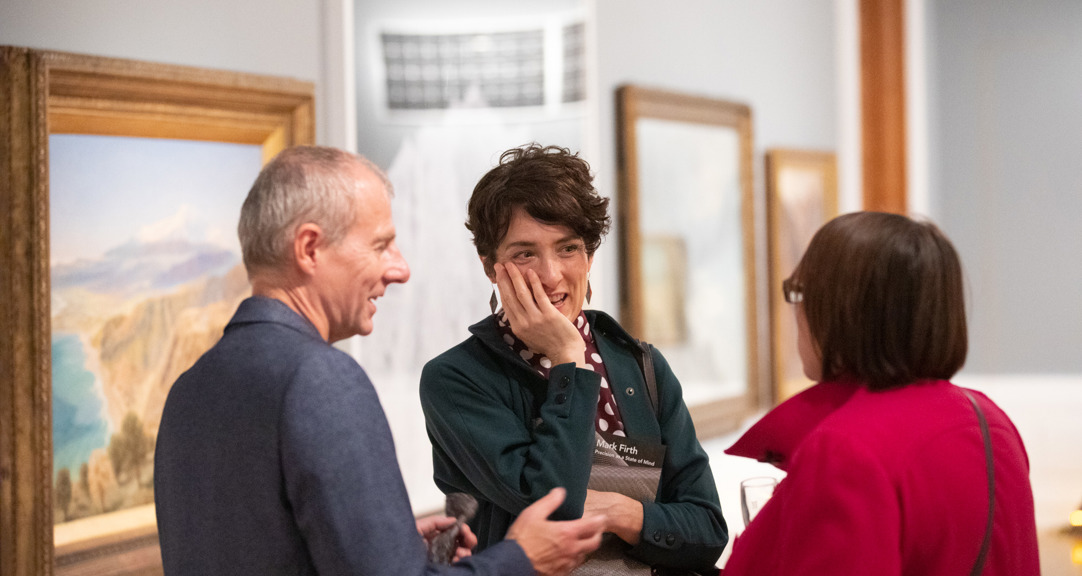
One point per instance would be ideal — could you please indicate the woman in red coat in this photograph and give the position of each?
(887, 471)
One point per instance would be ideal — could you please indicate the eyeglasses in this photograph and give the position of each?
(791, 292)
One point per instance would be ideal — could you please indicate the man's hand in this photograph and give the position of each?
(534, 319)
(555, 548)
(431, 526)
(624, 514)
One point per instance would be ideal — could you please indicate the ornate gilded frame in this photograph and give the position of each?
(47, 92)
(634, 103)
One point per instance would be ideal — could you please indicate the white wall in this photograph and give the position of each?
(274, 37)
(1005, 126)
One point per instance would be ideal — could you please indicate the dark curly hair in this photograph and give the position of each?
(550, 183)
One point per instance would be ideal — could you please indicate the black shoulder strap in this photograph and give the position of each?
(646, 364)
(979, 566)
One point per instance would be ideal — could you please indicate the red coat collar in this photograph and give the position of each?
(776, 436)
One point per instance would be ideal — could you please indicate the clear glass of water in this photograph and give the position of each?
(754, 494)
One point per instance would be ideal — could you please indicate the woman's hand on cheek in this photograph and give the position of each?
(534, 319)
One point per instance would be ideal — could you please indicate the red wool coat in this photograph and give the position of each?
(887, 483)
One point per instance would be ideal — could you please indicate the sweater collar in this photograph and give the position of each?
(601, 323)
(776, 436)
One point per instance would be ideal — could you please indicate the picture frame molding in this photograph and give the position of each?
(776, 160)
(633, 102)
(46, 92)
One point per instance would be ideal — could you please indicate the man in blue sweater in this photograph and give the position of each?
(274, 455)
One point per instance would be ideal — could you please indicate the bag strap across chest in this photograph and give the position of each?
(646, 364)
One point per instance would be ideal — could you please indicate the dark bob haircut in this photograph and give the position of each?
(883, 297)
(553, 185)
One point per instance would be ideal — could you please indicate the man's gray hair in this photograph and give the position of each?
(303, 184)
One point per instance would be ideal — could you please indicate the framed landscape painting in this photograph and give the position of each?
(123, 182)
(802, 195)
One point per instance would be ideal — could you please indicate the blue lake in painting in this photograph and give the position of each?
(78, 425)
(144, 259)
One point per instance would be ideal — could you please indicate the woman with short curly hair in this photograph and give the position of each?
(544, 394)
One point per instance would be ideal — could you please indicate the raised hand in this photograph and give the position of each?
(534, 319)
(555, 548)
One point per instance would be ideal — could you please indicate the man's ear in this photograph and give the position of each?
(307, 242)
(489, 270)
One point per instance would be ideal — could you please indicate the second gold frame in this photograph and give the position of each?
(802, 195)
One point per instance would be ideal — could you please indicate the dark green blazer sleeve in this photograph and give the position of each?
(506, 442)
(684, 527)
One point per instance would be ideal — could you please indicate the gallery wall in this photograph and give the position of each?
(1006, 174)
(273, 37)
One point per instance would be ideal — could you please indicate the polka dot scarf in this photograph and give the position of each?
(608, 415)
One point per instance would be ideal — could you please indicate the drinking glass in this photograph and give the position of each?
(754, 493)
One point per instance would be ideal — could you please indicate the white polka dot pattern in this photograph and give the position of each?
(608, 413)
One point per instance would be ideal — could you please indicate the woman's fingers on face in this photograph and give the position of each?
(503, 283)
(518, 303)
(538, 292)
(512, 306)
(522, 287)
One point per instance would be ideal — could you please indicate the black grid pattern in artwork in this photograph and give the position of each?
(436, 71)
(574, 40)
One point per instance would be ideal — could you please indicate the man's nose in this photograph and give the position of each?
(399, 270)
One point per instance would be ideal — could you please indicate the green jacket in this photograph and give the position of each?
(505, 435)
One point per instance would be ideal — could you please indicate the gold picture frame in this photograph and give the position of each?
(47, 92)
(802, 195)
(685, 176)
